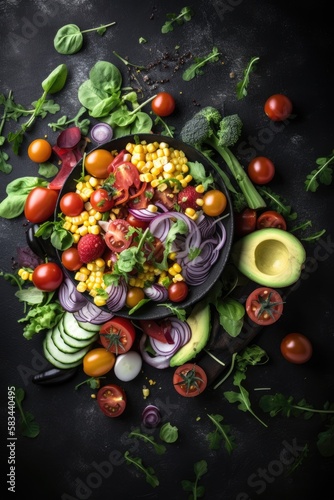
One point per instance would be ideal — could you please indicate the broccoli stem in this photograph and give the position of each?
(252, 196)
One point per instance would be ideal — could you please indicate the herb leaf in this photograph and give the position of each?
(195, 69)
(186, 14)
(27, 424)
(241, 86)
(323, 174)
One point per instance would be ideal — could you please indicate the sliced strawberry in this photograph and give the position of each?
(91, 247)
(187, 198)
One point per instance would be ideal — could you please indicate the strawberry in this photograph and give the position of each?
(187, 198)
(91, 247)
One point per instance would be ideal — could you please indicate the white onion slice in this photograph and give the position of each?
(128, 365)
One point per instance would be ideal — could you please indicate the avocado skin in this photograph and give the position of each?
(274, 250)
(199, 322)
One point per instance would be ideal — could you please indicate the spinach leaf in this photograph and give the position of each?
(69, 38)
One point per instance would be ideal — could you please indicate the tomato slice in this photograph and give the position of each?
(117, 335)
(271, 218)
(264, 306)
(111, 399)
(190, 380)
(159, 331)
(117, 237)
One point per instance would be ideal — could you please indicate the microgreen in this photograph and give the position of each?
(181, 314)
(200, 468)
(220, 434)
(168, 130)
(323, 174)
(149, 472)
(241, 86)
(195, 69)
(185, 15)
(27, 424)
(69, 38)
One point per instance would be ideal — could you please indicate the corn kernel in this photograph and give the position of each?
(80, 276)
(199, 202)
(169, 167)
(81, 287)
(199, 189)
(95, 229)
(100, 263)
(76, 238)
(177, 278)
(99, 301)
(151, 147)
(83, 230)
(152, 208)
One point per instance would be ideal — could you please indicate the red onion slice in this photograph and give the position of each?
(156, 292)
(159, 362)
(117, 296)
(90, 313)
(151, 416)
(180, 333)
(69, 297)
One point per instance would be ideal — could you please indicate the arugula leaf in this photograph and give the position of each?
(27, 424)
(241, 86)
(222, 432)
(200, 468)
(149, 472)
(160, 449)
(198, 173)
(323, 174)
(195, 69)
(186, 14)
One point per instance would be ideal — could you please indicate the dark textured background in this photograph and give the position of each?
(78, 453)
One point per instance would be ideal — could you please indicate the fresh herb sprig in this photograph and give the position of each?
(63, 122)
(160, 449)
(185, 15)
(196, 490)
(149, 472)
(323, 174)
(220, 434)
(196, 68)
(242, 85)
(27, 424)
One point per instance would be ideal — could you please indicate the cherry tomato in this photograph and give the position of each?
(47, 276)
(296, 348)
(189, 380)
(98, 362)
(70, 259)
(261, 170)
(117, 335)
(111, 400)
(133, 221)
(214, 202)
(116, 237)
(177, 292)
(71, 204)
(40, 204)
(245, 221)
(134, 295)
(39, 150)
(101, 201)
(278, 107)
(163, 104)
(264, 306)
(97, 163)
(271, 218)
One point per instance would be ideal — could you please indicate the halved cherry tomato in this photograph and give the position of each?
(47, 276)
(70, 259)
(214, 202)
(278, 107)
(261, 170)
(39, 150)
(111, 399)
(117, 335)
(271, 218)
(117, 236)
(264, 306)
(97, 162)
(134, 295)
(98, 362)
(163, 104)
(40, 204)
(133, 221)
(245, 221)
(177, 292)
(71, 204)
(296, 348)
(190, 380)
(101, 201)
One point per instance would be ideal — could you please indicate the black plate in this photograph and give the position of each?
(149, 310)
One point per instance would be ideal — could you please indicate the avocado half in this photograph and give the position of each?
(270, 257)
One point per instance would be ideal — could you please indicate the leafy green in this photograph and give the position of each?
(27, 424)
(231, 315)
(60, 237)
(195, 69)
(221, 433)
(185, 15)
(198, 173)
(241, 86)
(200, 468)
(325, 442)
(17, 191)
(69, 38)
(323, 174)
(169, 433)
(63, 122)
(149, 472)
(160, 449)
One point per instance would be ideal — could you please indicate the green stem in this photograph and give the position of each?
(142, 105)
(127, 63)
(100, 27)
(311, 409)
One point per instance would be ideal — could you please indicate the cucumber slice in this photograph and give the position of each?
(72, 342)
(90, 327)
(60, 342)
(60, 357)
(57, 363)
(73, 329)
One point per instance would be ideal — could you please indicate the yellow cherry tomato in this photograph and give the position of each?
(39, 150)
(98, 362)
(214, 202)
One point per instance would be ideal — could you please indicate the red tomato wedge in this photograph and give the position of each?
(159, 331)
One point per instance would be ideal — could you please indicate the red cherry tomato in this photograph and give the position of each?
(163, 104)
(111, 399)
(40, 204)
(70, 259)
(71, 204)
(278, 107)
(39, 150)
(177, 292)
(101, 201)
(133, 221)
(296, 348)
(271, 218)
(189, 380)
(117, 335)
(47, 277)
(116, 237)
(261, 170)
(245, 221)
(264, 306)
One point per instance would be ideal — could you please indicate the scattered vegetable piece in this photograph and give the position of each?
(185, 15)
(112, 400)
(69, 39)
(242, 86)
(195, 69)
(27, 424)
(278, 107)
(151, 416)
(296, 348)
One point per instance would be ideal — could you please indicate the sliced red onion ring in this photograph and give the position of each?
(69, 297)
(101, 132)
(159, 362)
(143, 214)
(156, 292)
(90, 313)
(151, 416)
(117, 296)
(180, 333)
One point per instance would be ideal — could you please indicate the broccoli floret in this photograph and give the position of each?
(209, 128)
